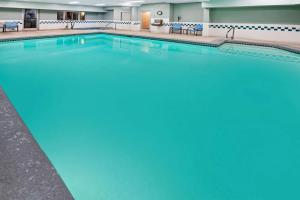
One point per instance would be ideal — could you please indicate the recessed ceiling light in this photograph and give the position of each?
(100, 4)
(136, 1)
(129, 3)
(74, 2)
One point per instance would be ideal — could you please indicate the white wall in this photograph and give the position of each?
(239, 3)
(94, 16)
(48, 15)
(115, 12)
(109, 15)
(10, 14)
(121, 25)
(154, 8)
(135, 13)
(118, 13)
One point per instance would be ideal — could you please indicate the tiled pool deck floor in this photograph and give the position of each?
(25, 171)
(212, 41)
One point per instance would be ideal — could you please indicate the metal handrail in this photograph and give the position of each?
(72, 23)
(106, 25)
(232, 28)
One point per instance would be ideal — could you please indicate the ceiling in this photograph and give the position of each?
(208, 3)
(110, 2)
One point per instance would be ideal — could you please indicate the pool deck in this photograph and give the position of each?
(200, 40)
(25, 171)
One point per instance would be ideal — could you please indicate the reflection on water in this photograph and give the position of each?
(30, 45)
(82, 40)
(146, 46)
(263, 52)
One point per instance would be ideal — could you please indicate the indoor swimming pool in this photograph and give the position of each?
(125, 118)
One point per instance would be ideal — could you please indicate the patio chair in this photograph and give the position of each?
(2, 26)
(176, 28)
(198, 28)
(11, 25)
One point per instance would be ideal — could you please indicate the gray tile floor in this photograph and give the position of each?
(25, 171)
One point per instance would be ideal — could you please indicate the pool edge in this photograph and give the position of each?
(262, 44)
(216, 43)
(25, 170)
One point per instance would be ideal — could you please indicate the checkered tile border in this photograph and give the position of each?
(87, 22)
(183, 24)
(258, 28)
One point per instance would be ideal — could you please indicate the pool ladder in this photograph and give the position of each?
(109, 23)
(72, 24)
(232, 28)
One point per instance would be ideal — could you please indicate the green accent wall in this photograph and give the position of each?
(257, 15)
(189, 12)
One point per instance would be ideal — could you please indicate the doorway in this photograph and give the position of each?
(30, 18)
(146, 20)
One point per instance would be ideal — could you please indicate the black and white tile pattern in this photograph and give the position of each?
(87, 22)
(256, 27)
(186, 24)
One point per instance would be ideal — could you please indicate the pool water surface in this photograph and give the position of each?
(135, 119)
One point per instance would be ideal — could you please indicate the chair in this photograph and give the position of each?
(2, 26)
(11, 25)
(175, 28)
(198, 28)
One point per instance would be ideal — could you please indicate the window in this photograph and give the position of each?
(70, 15)
(75, 16)
(82, 15)
(60, 15)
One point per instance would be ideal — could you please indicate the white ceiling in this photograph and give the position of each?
(207, 3)
(110, 2)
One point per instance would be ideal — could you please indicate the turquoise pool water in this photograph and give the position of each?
(135, 119)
